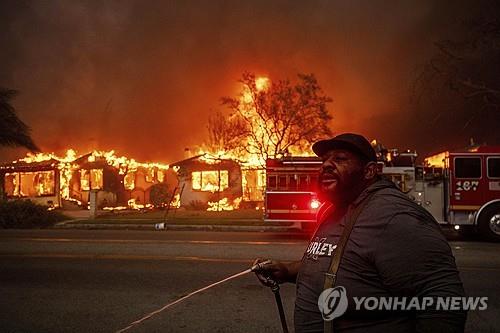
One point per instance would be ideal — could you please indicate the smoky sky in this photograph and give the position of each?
(142, 77)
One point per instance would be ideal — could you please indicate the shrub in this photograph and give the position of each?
(197, 205)
(159, 195)
(25, 214)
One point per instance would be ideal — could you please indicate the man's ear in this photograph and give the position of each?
(371, 170)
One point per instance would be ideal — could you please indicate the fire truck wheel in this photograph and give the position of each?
(489, 222)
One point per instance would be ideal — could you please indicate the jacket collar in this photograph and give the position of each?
(377, 185)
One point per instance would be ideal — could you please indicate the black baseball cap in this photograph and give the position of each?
(349, 141)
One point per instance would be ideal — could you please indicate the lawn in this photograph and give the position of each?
(181, 216)
(175, 214)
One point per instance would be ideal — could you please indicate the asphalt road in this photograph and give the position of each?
(101, 281)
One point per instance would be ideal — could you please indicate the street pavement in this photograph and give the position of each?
(102, 280)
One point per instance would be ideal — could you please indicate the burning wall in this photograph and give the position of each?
(209, 183)
(253, 184)
(47, 178)
(38, 181)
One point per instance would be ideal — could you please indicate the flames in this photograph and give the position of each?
(223, 205)
(68, 167)
(252, 162)
(42, 157)
(252, 165)
(122, 163)
(210, 181)
(262, 83)
(437, 160)
(250, 158)
(41, 183)
(176, 202)
(138, 206)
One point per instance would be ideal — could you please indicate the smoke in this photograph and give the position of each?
(141, 77)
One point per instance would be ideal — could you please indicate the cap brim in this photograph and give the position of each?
(320, 148)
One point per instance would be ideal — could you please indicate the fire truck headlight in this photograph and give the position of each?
(315, 204)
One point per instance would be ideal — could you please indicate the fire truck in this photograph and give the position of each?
(291, 189)
(461, 188)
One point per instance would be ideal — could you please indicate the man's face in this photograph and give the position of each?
(341, 175)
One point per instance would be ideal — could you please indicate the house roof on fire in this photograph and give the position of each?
(20, 166)
(198, 159)
(187, 160)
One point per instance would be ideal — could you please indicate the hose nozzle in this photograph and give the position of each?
(260, 266)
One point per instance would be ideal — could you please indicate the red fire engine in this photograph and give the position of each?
(291, 189)
(463, 190)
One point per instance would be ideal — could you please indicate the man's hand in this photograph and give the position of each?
(271, 270)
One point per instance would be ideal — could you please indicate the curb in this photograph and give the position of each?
(174, 227)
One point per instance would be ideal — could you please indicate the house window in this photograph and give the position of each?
(303, 183)
(261, 179)
(210, 181)
(30, 184)
(12, 184)
(91, 178)
(313, 185)
(272, 183)
(281, 182)
(160, 175)
(44, 183)
(150, 175)
(196, 180)
(292, 182)
(468, 167)
(129, 181)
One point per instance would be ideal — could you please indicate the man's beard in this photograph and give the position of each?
(340, 191)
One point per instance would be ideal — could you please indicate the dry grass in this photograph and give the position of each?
(180, 214)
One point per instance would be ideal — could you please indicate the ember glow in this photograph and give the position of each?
(262, 83)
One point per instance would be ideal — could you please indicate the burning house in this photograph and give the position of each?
(38, 181)
(209, 183)
(67, 181)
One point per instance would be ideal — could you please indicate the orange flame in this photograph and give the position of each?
(437, 160)
(67, 166)
(223, 204)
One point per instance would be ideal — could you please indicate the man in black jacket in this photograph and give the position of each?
(396, 251)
